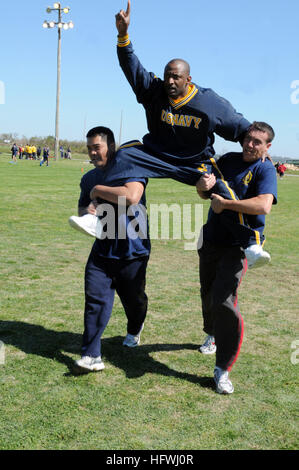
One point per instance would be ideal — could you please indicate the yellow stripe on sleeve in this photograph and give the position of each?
(240, 215)
(131, 144)
(123, 41)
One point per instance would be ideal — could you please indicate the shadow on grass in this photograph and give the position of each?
(35, 339)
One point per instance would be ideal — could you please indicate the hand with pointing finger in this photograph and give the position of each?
(123, 20)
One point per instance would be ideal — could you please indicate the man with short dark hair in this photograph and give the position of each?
(222, 260)
(120, 253)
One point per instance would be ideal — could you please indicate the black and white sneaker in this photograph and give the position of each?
(223, 384)
(209, 346)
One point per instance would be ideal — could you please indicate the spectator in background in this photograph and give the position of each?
(14, 152)
(26, 151)
(61, 151)
(69, 153)
(21, 150)
(33, 149)
(281, 168)
(29, 152)
(38, 152)
(45, 159)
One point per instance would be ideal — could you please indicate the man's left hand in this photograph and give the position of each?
(265, 157)
(217, 203)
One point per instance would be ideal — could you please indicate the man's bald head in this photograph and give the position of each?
(177, 78)
(180, 63)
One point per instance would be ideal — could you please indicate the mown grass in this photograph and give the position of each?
(160, 395)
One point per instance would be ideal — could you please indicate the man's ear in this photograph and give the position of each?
(111, 149)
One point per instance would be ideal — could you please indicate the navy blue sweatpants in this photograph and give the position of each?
(221, 271)
(104, 276)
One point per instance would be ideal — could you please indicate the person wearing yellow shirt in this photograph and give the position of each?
(27, 149)
(33, 150)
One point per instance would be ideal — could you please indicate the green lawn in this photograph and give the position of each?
(161, 394)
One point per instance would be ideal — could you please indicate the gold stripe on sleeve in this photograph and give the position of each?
(123, 41)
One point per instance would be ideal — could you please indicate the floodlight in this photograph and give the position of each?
(51, 24)
(56, 5)
(71, 24)
(49, 10)
(65, 26)
(60, 25)
(45, 24)
(66, 9)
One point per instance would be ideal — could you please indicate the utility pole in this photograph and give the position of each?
(60, 24)
(56, 152)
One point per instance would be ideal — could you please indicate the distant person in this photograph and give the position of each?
(118, 260)
(27, 152)
(222, 260)
(14, 152)
(33, 150)
(30, 152)
(61, 151)
(38, 152)
(69, 153)
(21, 149)
(46, 152)
(281, 170)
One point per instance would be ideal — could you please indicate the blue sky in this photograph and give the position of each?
(248, 52)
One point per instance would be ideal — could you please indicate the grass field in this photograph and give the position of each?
(160, 395)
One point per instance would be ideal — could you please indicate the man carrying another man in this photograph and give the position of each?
(118, 259)
(222, 260)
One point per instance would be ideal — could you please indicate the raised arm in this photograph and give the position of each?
(123, 20)
(143, 83)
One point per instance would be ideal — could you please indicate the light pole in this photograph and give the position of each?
(60, 25)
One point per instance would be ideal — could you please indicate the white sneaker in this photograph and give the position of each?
(132, 340)
(256, 256)
(90, 363)
(223, 384)
(88, 224)
(209, 346)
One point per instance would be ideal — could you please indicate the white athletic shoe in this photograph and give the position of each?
(223, 384)
(256, 256)
(90, 363)
(209, 346)
(88, 224)
(132, 340)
